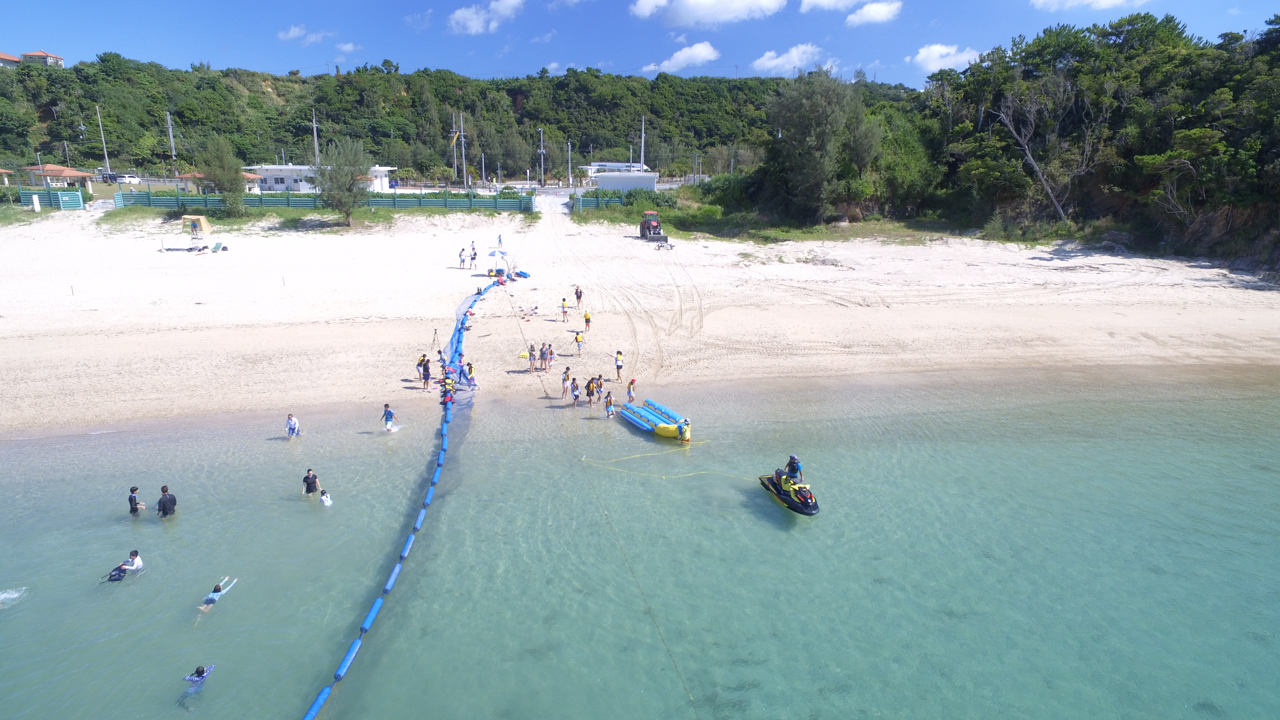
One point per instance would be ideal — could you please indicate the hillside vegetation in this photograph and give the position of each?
(1135, 131)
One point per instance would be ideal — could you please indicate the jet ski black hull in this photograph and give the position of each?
(784, 498)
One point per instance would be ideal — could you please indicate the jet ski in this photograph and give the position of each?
(798, 499)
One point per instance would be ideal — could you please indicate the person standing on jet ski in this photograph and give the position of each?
(794, 469)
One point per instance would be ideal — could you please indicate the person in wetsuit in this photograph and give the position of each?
(134, 505)
(167, 504)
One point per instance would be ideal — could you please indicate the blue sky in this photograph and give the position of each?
(892, 40)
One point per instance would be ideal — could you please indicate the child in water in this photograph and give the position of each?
(218, 591)
(196, 679)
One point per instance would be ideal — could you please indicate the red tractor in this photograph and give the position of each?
(651, 227)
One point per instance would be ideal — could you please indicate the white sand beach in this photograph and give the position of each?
(288, 320)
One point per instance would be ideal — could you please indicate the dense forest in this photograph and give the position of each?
(1135, 128)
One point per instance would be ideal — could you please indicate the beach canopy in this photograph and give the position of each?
(64, 172)
(495, 253)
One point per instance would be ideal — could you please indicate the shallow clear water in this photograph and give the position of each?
(985, 549)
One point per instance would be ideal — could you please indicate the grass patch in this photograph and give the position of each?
(120, 218)
(18, 215)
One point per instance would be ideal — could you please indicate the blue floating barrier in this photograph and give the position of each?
(431, 493)
(440, 459)
(408, 545)
(444, 429)
(448, 412)
(435, 478)
(391, 581)
(422, 515)
(373, 615)
(319, 703)
(346, 661)
(444, 443)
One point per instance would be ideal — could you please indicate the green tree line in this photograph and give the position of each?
(1134, 125)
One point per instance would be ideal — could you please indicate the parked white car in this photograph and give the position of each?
(128, 180)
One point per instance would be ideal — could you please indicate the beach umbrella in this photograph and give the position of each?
(495, 254)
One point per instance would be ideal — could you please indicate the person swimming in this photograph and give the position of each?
(218, 591)
(324, 498)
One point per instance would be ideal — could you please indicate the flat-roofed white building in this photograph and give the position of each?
(625, 181)
(301, 178)
(596, 168)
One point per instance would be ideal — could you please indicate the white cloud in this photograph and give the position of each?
(807, 5)
(771, 63)
(553, 66)
(419, 21)
(933, 58)
(544, 38)
(699, 54)
(348, 47)
(706, 12)
(340, 58)
(1054, 5)
(316, 37)
(294, 31)
(681, 39)
(476, 20)
(876, 12)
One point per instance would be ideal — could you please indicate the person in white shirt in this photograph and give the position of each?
(291, 426)
(134, 563)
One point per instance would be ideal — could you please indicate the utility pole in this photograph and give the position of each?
(454, 145)
(315, 136)
(173, 151)
(66, 152)
(462, 123)
(542, 154)
(40, 164)
(483, 177)
(105, 159)
(642, 140)
(570, 145)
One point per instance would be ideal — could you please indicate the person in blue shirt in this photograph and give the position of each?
(388, 416)
(196, 679)
(794, 469)
(218, 591)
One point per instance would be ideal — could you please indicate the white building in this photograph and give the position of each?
(596, 168)
(625, 181)
(41, 57)
(301, 178)
(9, 61)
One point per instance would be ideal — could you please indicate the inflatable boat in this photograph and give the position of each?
(658, 419)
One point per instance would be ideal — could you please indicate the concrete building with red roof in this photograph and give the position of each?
(41, 57)
(7, 60)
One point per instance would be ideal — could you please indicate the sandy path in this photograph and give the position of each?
(288, 320)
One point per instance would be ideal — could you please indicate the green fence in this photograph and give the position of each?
(53, 199)
(587, 202)
(524, 203)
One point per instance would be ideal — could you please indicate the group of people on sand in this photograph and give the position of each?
(461, 372)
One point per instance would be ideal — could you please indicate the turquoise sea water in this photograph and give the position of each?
(1060, 546)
